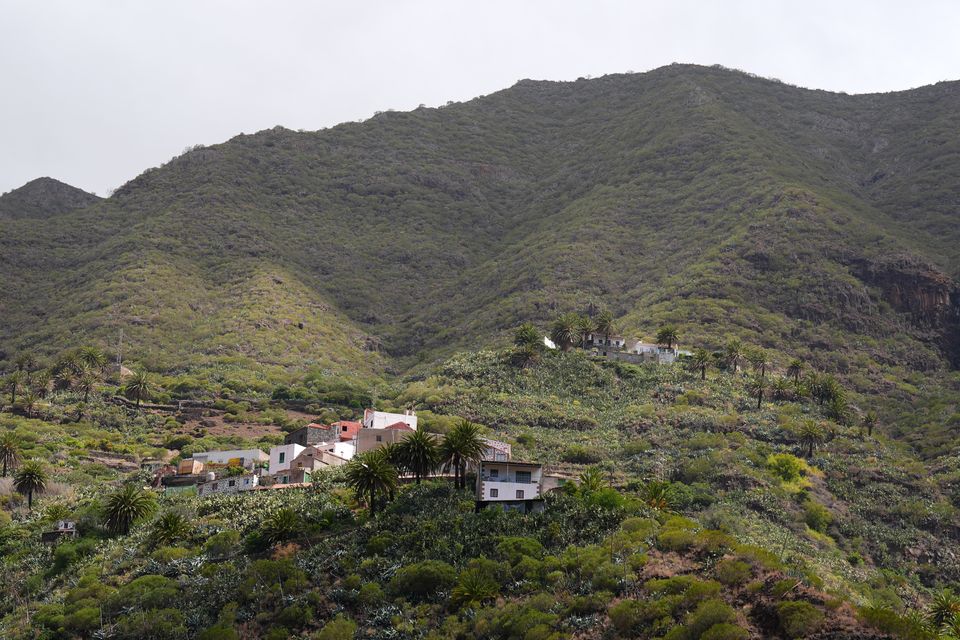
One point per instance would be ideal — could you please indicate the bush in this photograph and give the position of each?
(788, 468)
(709, 613)
(725, 631)
(223, 544)
(370, 594)
(733, 572)
(514, 549)
(424, 579)
(798, 619)
(340, 628)
(816, 516)
(626, 615)
(578, 454)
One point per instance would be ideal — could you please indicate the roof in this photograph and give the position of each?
(399, 426)
(496, 444)
(514, 463)
(317, 425)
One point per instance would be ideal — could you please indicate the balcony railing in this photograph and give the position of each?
(508, 478)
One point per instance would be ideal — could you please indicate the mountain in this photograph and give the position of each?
(817, 224)
(44, 197)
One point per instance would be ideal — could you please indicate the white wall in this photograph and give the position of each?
(223, 457)
(240, 483)
(289, 451)
(382, 419)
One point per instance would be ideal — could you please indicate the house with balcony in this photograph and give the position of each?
(510, 485)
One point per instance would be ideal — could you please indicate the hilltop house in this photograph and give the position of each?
(63, 529)
(611, 341)
(246, 458)
(509, 485)
(373, 419)
(313, 433)
(634, 351)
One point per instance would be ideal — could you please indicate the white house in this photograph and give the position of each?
(281, 456)
(509, 485)
(599, 340)
(236, 457)
(229, 484)
(496, 451)
(382, 419)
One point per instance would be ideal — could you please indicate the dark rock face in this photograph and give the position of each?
(44, 197)
(926, 294)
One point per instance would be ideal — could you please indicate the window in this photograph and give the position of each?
(246, 481)
(286, 479)
(523, 477)
(494, 474)
(343, 428)
(282, 456)
(519, 494)
(214, 487)
(494, 493)
(379, 438)
(232, 483)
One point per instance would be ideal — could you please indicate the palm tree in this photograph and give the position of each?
(780, 388)
(25, 362)
(758, 358)
(945, 607)
(605, 325)
(124, 507)
(668, 335)
(40, 380)
(31, 478)
(14, 382)
(658, 495)
(86, 383)
(525, 356)
(92, 358)
(795, 369)
(527, 335)
(418, 453)
(281, 525)
(733, 354)
(700, 360)
(9, 452)
(592, 480)
(370, 475)
(64, 378)
(139, 385)
(757, 386)
(584, 329)
(169, 529)
(564, 331)
(462, 445)
(29, 401)
(811, 435)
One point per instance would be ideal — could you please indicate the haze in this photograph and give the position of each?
(95, 92)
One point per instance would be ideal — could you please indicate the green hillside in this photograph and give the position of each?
(815, 224)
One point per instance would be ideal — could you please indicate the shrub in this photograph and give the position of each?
(888, 621)
(340, 628)
(626, 615)
(675, 539)
(798, 619)
(146, 592)
(514, 549)
(223, 544)
(816, 516)
(421, 580)
(725, 631)
(578, 454)
(788, 468)
(475, 586)
(370, 594)
(708, 614)
(733, 572)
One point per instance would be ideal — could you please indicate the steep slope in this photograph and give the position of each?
(722, 202)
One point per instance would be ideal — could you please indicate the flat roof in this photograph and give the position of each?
(513, 462)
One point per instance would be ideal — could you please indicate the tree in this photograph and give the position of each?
(9, 452)
(757, 386)
(169, 529)
(92, 359)
(371, 475)
(40, 380)
(870, 421)
(605, 325)
(945, 607)
(795, 369)
(758, 358)
(700, 360)
(525, 356)
(418, 453)
(85, 384)
(564, 331)
(29, 401)
(281, 525)
(780, 388)
(733, 355)
(462, 445)
(31, 478)
(811, 435)
(13, 382)
(658, 495)
(25, 362)
(124, 507)
(139, 385)
(592, 480)
(584, 329)
(527, 335)
(668, 335)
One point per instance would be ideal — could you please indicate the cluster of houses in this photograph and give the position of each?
(315, 447)
(616, 347)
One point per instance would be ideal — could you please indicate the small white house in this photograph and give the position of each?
(612, 341)
(281, 456)
(229, 484)
(373, 419)
(509, 485)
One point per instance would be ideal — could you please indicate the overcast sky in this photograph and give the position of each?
(93, 92)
